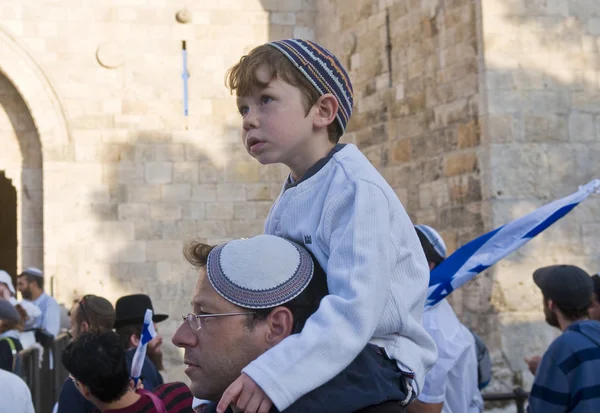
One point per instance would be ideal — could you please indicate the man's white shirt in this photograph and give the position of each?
(453, 378)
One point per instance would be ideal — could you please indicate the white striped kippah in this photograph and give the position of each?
(260, 272)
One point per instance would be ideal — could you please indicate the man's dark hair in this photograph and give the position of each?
(596, 281)
(301, 307)
(34, 279)
(97, 311)
(98, 361)
(430, 253)
(571, 314)
(126, 331)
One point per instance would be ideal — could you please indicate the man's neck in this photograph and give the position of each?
(36, 294)
(564, 323)
(129, 398)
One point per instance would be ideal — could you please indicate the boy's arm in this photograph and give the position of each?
(357, 233)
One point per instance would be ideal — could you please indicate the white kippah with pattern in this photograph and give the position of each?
(260, 272)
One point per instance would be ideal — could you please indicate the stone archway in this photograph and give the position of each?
(32, 129)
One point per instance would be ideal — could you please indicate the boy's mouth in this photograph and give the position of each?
(253, 144)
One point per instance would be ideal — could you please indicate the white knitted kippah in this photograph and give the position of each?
(434, 239)
(260, 272)
(33, 271)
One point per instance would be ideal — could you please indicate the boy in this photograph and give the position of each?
(295, 99)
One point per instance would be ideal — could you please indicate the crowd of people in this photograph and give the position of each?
(325, 312)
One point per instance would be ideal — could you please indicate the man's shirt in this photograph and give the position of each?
(176, 398)
(568, 378)
(50, 318)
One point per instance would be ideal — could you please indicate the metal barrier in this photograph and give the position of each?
(30, 372)
(45, 382)
(519, 395)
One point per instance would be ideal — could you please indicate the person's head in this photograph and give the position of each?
(30, 283)
(433, 245)
(7, 288)
(97, 364)
(594, 309)
(567, 293)
(130, 311)
(260, 290)
(293, 95)
(91, 313)
(11, 317)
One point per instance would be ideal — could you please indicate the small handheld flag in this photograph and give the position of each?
(148, 333)
(483, 252)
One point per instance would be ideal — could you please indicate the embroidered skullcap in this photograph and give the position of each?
(33, 271)
(434, 239)
(260, 272)
(323, 70)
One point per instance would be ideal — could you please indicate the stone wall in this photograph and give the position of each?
(132, 180)
(541, 123)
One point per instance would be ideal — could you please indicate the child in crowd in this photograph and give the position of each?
(295, 99)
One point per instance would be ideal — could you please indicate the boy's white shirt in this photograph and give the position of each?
(348, 216)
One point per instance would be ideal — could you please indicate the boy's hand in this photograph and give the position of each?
(246, 396)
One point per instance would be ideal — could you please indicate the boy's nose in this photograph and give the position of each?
(250, 121)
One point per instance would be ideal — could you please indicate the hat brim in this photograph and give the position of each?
(157, 318)
(540, 277)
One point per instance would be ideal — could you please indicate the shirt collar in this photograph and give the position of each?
(290, 182)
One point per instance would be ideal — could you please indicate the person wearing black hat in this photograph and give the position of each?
(595, 306)
(130, 311)
(567, 378)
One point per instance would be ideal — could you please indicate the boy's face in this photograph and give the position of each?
(276, 128)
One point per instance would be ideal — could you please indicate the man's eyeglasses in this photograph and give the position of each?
(82, 307)
(194, 320)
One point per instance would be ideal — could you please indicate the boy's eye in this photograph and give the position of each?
(265, 99)
(243, 110)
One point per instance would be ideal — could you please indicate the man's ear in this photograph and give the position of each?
(280, 323)
(326, 109)
(85, 327)
(551, 305)
(134, 340)
(84, 390)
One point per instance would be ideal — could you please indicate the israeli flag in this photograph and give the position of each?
(148, 333)
(483, 252)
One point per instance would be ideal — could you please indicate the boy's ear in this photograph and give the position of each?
(134, 340)
(326, 109)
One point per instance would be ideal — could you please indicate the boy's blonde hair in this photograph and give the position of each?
(241, 77)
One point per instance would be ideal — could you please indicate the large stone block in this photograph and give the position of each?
(159, 172)
(164, 250)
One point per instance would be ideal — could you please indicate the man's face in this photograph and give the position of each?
(76, 329)
(154, 351)
(4, 291)
(551, 318)
(594, 309)
(217, 353)
(24, 288)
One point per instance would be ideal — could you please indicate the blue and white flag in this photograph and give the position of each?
(483, 252)
(148, 333)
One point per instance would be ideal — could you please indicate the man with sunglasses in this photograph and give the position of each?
(91, 313)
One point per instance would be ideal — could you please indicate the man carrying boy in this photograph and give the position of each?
(295, 99)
